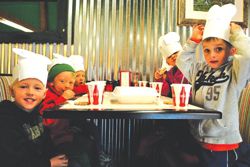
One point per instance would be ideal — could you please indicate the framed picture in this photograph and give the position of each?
(191, 12)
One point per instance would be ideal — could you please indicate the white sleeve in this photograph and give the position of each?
(186, 59)
(241, 63)
(241, 42)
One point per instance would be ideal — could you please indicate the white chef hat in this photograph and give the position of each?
(169, 44)
(77, 62)
(218, 21)
(30, 65)
(59, 59)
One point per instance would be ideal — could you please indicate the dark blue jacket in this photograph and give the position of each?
(24, 141)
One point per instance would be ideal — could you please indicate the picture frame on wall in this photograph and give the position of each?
(192, 12)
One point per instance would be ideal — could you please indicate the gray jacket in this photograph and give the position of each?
(217, 89)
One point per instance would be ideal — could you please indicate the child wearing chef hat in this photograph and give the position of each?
(61, 79)
(217, 81)
(78, 64)
(21, 125)
(67, 137)
(170, 48)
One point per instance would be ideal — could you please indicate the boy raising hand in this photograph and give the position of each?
(217, 82)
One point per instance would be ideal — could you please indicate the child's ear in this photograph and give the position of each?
(233, 51)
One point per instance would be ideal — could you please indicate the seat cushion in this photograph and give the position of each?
(5, 82)
(244, 109)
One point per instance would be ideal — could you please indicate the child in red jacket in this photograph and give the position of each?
(169, 73)
(78, 64)
(68, 139)
(170, 142)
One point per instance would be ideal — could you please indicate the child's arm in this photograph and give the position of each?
(81, 89)
(239, 40)
(241, 63)
(165, 88)
(159, 76)
(162, 78)
(188, 55)
(51, 101)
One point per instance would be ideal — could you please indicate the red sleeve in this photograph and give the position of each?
(159, 80)
(177, 78)
(165, 88)
(50, 101)
(81, 89)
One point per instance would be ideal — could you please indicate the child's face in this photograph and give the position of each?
(64, 81)
(28, 93)
(171, 60)
(216, 52)
(80, 78)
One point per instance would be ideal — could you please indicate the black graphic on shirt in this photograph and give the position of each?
(33, 131)
(205, 78)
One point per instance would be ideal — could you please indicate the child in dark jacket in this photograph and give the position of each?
(24, 141)
(67, 138)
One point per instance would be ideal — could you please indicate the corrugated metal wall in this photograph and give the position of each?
(122, 34)
(111, 35)
(9, 59)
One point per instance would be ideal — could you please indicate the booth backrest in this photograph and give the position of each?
(5, 81)
(244, 109)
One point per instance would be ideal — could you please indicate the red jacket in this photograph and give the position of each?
(174, 75)
(51, 100)
(80, 89)
(60, 131)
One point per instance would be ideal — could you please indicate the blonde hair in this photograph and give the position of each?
(14, 82)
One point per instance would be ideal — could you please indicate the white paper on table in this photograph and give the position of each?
(107, 104)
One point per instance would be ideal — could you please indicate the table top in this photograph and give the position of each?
(162, 109)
